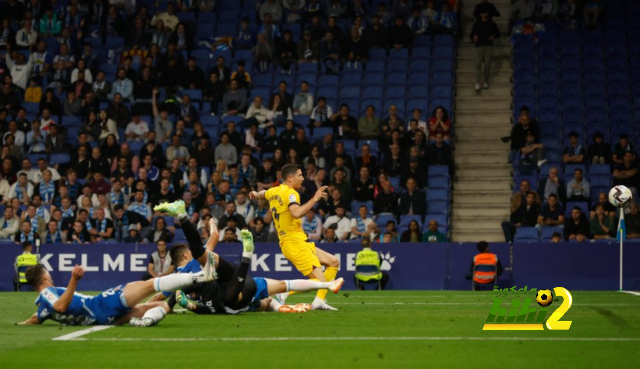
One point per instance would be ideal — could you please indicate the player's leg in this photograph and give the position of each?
(236, 293)
(177, 210)
(331, 264)
(135, 292)
(302, 285)
(145, 314)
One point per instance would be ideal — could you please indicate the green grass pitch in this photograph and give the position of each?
(388, 329)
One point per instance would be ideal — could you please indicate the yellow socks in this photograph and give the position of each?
(330, 274)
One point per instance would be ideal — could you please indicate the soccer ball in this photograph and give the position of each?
(544, 298)
(620, 196)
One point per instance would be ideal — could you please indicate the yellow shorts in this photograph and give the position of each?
(302, 255)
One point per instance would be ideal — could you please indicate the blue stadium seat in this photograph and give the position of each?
(618, 75)
(350, 91)
(373, 91)
(600, 180)
(396, 91)
(571, 76)
(398, 53)
(420, 78)
(572, 102)
(418, 92)
(328, 91)
(397, 78)
(320, 132)
(56, 159)
(547, 233)
(599, 169)
(397, 65)
(351, 78)
(438, 207)
(382, 219)
(421, 52)
(355, 206)
(526, 234)
(583, 205)
(375, 102)
(377, 54)
(395, 183)
(442, 64)
(374, 78)
(437, 194)
(618, 101)
(439, 182)
(406, 219)
(328, 80)
(438, 171)
(376, 66)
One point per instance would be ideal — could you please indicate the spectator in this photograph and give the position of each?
(263, 53)
(213, 92)
(417, 23)
(412, 202)
(438, 123)
(9, 224)
(234, 101)
(531, 156)
(169, 18)
(340, 164)
(413, 234)
(330, 234)
(308, 48)
(415, 171)
(321, 113)
(363, 187)
(485, 7)
(369, 124)
(592, 12)
(122, 86)
(26, 233)
(602, 226)
(286, 52)
(439, 153)
(315, 158)
(552, 214)
(432, 234)
(344, 125)
(519, 199)
(599, 152)
(626, 173)
(578, 189)
(568, 15)
(226, 151)
(303, 100)
(133, 236)
(137, 129)
(241, 76)
(633, 221)
(393, 115)
(260, 231)
(484, 32)
(355, 49)
(574, 153)
(330, 53)
(21, 189)
(341, 221)
(223, 72)
(140, 207)
(118, 111)
(181, 38)
(53, 234)
(520, 130)
(273, 9)
(400, 35)
(525, 215)
(576, 225)
(101, 227)
(246, 37)
(312, 225)
(522, 11)
(604, 201)
(446, 21)
(101, 87)
(159, 232)
(621, 148)
(79, 233)
(552, 185)
(362, 226)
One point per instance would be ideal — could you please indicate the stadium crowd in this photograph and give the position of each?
(572, 138)
(107, 109)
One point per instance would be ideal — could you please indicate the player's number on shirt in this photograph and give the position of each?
(276, 216)
(108, 293)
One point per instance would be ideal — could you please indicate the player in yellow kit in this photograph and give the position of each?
(284, 202)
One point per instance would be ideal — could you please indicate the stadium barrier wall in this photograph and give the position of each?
(433, 266)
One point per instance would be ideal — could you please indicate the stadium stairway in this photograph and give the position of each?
(482, 186)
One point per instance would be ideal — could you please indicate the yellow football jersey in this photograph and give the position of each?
(289, 228)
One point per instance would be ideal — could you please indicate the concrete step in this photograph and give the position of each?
(498, 91)
(464, 235)
(481, 144)
(479, 224)
(463, 117)
(484, 171)
(480, 198)
(483, 104)
(476, 212)
(481, 131)
(474, 183)
(497, 77)
(468, 50)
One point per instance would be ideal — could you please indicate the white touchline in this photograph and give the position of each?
(75, 335)
(632, 292)
(456, 303)
(234, 339)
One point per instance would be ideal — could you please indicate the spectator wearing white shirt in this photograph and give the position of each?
(341, 221)
(22, 189)
(5, 187)
(26, 169)
(42, 166)
(20, 68)
(362, 226)
(36, 138)
(312, 225)
(137, 129)
(244, 207)
(321, 113)
(27, 36)
(18, 136)
(9, 224)
(418, 23)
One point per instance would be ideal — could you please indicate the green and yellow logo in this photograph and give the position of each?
(523, 314)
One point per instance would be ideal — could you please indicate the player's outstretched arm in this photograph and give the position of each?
(33, 320)
(255, 195)
(298, 211)
(65, 300)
